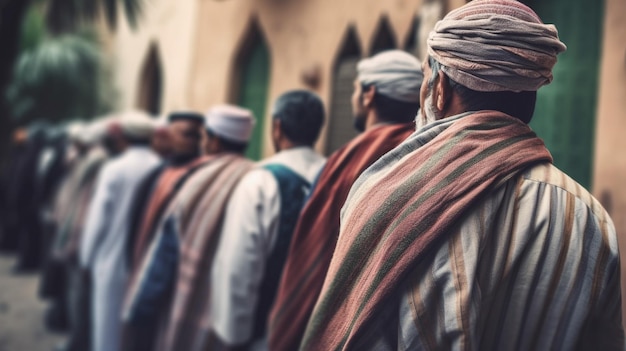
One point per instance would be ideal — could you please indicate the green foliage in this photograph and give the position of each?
(64, 77)
(33, 29)
(64, 15)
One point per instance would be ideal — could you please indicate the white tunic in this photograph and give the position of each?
(103, 242)
(248, 237)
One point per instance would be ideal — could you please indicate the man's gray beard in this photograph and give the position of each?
(427, 114)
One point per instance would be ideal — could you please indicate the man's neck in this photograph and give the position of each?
(182, 160)
(289, 145)
(373, 120)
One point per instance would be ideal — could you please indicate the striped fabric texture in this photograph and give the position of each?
(317, 230)
(164, 191)
(199, 211)
(534, 267)
(73, 203)
(404, 206)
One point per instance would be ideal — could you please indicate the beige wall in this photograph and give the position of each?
(610, 159)
(171, 26)
(198, 41)
(300, 35)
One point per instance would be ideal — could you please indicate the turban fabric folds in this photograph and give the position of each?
(496, 45)
(395, 74)
(230, 122)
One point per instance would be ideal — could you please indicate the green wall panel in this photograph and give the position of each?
(253, 93)
(566, 109)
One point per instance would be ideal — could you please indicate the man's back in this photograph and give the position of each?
(533, 266)
(123, 176)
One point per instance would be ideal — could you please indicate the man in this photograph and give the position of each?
(104, 238)
(174, 289)
(10, 182)
(466, 236)
(63, 279)
(23, 197)
(260, 219)
(385, 102)
(160, 186)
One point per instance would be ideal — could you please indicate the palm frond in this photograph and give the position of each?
(133, 10)
(63, 78)
(110, 10)
(68, 15)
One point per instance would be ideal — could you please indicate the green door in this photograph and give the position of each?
(341, 123)
(566, 109)
(255, 73)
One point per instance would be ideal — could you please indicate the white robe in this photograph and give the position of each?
(103, 243)
(248, 237)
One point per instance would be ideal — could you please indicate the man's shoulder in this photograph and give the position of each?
(550, 176)
(258, 178)
(131, 162)
(392, 134)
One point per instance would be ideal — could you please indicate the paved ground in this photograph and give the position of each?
(21, 312)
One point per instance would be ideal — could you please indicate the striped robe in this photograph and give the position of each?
(317, 229)
(165, 188)
(195, 219)
(459, 256)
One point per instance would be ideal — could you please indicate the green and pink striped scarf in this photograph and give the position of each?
(404, 205)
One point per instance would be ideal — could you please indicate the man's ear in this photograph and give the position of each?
(442, 92)
(368, 96)
(276, 129)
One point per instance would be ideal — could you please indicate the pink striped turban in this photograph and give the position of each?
(496, 45)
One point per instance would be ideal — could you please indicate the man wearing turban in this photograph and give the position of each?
(465, 236)
(103, 244)
(385, 102)
(259, 223)
(172, 293)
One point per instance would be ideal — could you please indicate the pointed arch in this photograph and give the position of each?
(151, 82)
(340, 125)
(411, 43)
(384, 37)
(250, 81)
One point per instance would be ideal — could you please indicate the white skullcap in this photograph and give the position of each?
(231, 122)
(136, 124)
(74, 130)
(395, 74)
(94, 132)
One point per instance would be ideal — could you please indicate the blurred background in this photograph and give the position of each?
(77, 60)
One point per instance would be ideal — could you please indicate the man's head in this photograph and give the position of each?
(161, 141)
(186, 134)
(386, 89)
(94, 134)
(487, 55)
(136, 128)
(297, 117)
(228, 129)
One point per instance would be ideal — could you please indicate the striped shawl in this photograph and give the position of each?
(200, 223)
(317, 229)
(404, 205)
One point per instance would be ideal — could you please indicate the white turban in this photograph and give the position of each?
(395, 73)
(136, 124)
(231, 122)
(94, 132)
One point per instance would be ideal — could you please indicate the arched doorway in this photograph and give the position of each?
(384, 38)
(151, 83)
(411, 44)
(251, 83)
(341, 125)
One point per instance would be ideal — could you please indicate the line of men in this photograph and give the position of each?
(449, 230)
(151, 219)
